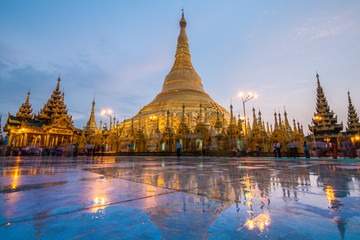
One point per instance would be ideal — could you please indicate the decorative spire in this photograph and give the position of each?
(353, 124)
(295, 130)
(286, 124)
(55, 107)
(91, 124)
(182, 56)
(255, 124)
(276, 122)
(318, 80)
(231, 114)
(324, 121)
(25, 110)
(280, 122)
(58, 83)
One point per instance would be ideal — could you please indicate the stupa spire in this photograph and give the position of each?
(287, 124)
(55, 107)
(255, 123)
(58, 83)
(182, 85)
(324, 121)
(91, 124)
(353, 124)
(25, 110)
(276, 121)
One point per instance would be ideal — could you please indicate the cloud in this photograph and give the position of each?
(324, 26)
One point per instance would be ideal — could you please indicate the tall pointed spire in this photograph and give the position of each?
(58, 83)
(353, 124)
(91, 124)
(182, 85)
(324, 121)
(287, 124)
(55, 107)
(280, 122)
(255, 123)
(276, 122)
(295, 130)
(25, 110)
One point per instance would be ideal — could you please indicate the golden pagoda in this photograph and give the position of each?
(182, 86)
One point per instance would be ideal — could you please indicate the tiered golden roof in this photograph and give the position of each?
(353, 119)
(324, 122)
(55, 107)
(25, 110)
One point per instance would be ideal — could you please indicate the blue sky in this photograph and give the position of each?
(122, 51)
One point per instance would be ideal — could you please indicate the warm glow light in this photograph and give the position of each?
(23, 129)
(98, 200)
(241, 94)
(103, 112)
(261, 221)
(249, 94)
(255, 96)
(109, 111)
(330, 195)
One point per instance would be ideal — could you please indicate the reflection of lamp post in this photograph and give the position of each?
(245, 99)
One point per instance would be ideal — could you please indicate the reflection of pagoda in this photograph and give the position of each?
(324, 123)
(191, 216)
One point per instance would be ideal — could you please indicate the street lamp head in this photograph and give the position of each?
(250, 94)
(109, 111)
(103, 112)
(241, 94)
(255, 96)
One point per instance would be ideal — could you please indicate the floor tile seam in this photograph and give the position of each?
(84, 209)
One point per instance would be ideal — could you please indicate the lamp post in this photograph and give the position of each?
(245, 99)
(107, 113)
(317, 118)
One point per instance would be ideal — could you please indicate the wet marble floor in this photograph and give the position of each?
(164, 198)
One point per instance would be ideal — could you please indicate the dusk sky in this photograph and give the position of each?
(122, 51)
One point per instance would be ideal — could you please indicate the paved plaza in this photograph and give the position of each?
(166, 198)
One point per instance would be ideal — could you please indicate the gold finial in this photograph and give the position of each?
(182, 21)
(58, 83)
(318, 79)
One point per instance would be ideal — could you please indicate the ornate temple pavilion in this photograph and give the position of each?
(52, 126)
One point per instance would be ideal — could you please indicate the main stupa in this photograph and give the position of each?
(182, 87)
